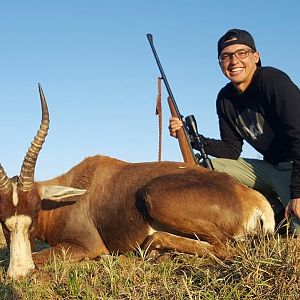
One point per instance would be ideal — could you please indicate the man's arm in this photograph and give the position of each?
(230, 144)
(284, 96)
(231, 147)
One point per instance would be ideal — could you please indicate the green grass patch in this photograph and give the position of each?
(263, 268)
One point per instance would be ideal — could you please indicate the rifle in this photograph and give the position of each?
(183, 133)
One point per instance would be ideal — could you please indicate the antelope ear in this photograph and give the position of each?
(56, 192)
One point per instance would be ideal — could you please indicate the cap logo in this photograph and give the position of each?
(230, 40)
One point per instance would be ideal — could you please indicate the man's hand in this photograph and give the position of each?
(174, 125)
(293, 207)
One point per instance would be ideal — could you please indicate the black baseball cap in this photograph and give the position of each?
(236, 36)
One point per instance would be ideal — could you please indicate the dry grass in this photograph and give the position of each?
(264, 268)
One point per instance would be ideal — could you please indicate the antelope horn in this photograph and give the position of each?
(4, 180)
(26, 178)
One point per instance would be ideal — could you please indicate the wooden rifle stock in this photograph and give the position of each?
(183, 139)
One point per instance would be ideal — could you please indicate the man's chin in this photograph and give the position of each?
(236, 80)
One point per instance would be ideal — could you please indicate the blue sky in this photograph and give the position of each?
(100, 78)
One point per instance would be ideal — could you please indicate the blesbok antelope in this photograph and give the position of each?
(104, 205)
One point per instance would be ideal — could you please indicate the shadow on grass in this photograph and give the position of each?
(7, 292)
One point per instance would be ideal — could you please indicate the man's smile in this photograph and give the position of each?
(236, 70)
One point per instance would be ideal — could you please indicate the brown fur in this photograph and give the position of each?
(124, 199)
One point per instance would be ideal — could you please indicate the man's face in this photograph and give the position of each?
(239, 70)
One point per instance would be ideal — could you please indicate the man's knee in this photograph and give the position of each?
(238, 169)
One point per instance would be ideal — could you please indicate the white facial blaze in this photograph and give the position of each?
(15, 196)
(21, 262)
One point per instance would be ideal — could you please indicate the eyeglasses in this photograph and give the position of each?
(239, 54)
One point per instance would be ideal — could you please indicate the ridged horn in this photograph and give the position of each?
(4, 180)
(26, 178)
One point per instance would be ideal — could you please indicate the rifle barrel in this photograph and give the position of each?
(183, 137)
(162, 73)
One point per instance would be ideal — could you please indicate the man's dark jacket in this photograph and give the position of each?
(267, 116)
